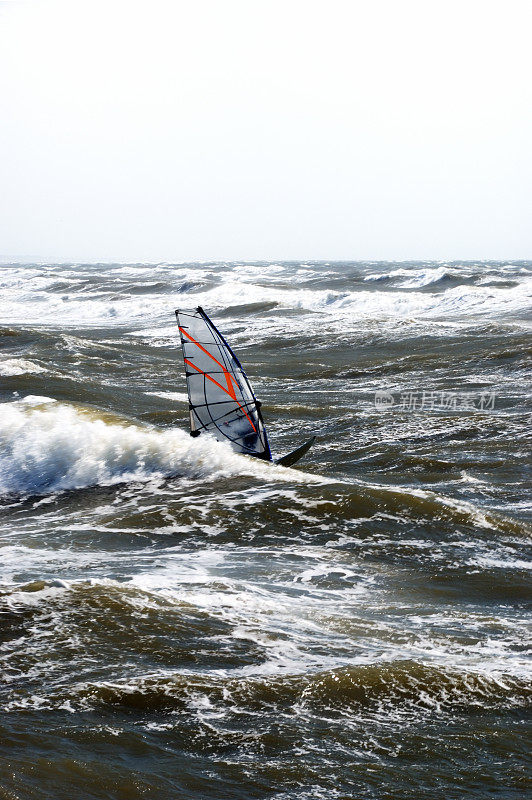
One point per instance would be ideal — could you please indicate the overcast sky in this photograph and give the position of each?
(238, 129)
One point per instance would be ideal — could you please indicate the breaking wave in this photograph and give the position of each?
(414, 278)
(46, 446)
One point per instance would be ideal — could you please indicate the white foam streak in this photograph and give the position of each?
(177, 397)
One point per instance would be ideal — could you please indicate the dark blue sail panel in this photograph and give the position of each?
(221, 399)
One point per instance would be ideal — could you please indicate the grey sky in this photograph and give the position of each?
(246, 130)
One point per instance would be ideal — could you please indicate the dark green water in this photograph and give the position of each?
(178, 621)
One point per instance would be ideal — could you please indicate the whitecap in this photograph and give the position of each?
(10, 367)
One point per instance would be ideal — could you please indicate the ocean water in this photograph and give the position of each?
(179, 621)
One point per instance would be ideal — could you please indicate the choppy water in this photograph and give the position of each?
(178, 621)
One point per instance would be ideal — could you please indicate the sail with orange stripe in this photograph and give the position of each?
(221, 400)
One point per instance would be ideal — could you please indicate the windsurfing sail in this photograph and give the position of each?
(221, 400)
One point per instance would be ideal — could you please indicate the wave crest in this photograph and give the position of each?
(379, 688)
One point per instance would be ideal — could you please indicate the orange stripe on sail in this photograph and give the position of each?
(228, 377)
(231, 393)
